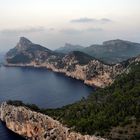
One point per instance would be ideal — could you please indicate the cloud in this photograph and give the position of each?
(82, 20)
(71, 31)
(25, 30)
(106, 20)
(78, 31)
(91, 20)
(94, 29)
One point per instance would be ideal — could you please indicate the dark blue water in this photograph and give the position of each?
(6, 134)
(39, 86)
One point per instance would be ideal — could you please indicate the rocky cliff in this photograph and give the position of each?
(36, 126)
(75, 64)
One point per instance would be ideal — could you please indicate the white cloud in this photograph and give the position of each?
(79, 31)
(91, 20)
(22, 31)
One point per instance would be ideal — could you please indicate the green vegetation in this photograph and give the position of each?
(20, 103)
(112, 112)
(19, 58)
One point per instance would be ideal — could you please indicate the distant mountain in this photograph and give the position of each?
(69, 48)
(75, 64)
(110, 52)
(114, 51)
(112, 112)
(79, 57)
(26, 52)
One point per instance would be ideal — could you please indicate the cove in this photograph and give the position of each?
(38, 86)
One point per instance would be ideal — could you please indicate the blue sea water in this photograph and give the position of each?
(39, 86)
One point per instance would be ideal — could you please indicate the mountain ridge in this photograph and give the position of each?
(112, 111)
(75, 64)
(112, 51)
(68, 48)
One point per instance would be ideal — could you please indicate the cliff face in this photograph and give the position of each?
(36, 126)
(75, 64)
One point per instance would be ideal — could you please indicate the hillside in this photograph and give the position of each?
(114, 51)
(69, 48)
(75, 64)
(80, 57)
(110, 52)
(112, 112)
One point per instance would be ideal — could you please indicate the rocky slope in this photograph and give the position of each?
(36, 126)
(27, 52)
(75, 64)
(112, 112)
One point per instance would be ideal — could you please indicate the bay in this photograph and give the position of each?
(38, 86)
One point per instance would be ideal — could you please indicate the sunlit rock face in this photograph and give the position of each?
(36, 126)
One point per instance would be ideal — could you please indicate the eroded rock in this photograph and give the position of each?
(36, 126)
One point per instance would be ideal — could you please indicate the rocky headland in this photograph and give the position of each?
(36, 126)
(75, 64)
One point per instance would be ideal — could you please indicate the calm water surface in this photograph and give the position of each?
(39, 86)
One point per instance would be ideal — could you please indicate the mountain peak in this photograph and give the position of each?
(68, 45)
(113, 42)
(24, 41)
(69, 48)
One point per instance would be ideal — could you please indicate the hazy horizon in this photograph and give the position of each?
(52, 23)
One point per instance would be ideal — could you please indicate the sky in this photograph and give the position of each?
(52, 23)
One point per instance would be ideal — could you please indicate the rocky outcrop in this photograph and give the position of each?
(36, 126)
(75, 64)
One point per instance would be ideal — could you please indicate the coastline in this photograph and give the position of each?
(79, 75)
(48, 68)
